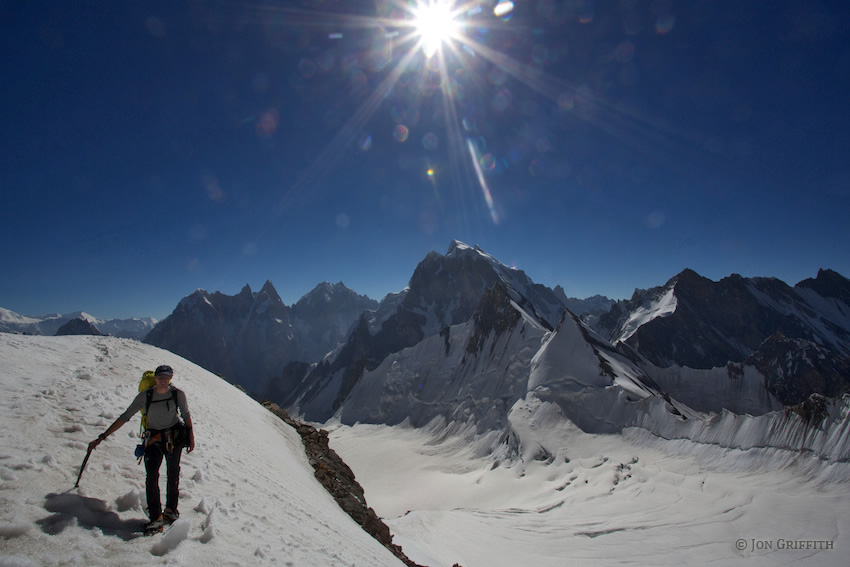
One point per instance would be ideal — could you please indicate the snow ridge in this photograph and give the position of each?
(248, 494)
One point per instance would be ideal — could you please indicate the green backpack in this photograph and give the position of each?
(148, 381)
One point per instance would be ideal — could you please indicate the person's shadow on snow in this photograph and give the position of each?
(89, 513)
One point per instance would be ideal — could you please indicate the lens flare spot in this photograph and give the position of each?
(268, 123)
(497, 76)
(504, 10)
(364, 142)
(566, 101)
(664, 24)
(430, 141)
(540, 55)
(487, 162)
(214, 190)
(502, 100)
(430, 172)
(400, 133)
(625, 52)
(537, 167)
(586, 12)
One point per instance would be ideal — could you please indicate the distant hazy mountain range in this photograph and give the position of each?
(78, 322)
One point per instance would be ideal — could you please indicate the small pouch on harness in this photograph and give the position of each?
(140, 448)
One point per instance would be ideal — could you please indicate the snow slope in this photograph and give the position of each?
(248, 495)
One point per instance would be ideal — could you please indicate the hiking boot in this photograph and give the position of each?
(155, 525)
(170, 516)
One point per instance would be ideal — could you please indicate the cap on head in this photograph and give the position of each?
(164, 370)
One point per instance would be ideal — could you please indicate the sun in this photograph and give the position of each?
(435, 23)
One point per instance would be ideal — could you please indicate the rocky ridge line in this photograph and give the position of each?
(338, 479)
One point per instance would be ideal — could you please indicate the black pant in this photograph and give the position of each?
(154, 453)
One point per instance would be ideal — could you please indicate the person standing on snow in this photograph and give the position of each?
(164, 438)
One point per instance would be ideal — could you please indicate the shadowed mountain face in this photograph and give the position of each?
(78, 327)
(717, 322)
(250, 337)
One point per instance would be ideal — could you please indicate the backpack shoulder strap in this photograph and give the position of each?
(148, 398)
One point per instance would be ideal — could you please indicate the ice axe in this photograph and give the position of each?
(83, 467)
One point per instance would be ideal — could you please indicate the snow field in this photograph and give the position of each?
(248, 495)
(596, 500)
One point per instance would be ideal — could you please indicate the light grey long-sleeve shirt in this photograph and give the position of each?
(161, 414)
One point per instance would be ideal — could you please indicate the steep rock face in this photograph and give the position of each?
(249, 338)
(472, 372)
(321, 392)
(288, 381)
(244, 338)
(736, 387)
(793, 369)
(78, 327)
(495, 315)
(323, 317)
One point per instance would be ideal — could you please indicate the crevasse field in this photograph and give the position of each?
(249, 496)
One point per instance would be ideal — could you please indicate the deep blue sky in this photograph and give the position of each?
(151, 148)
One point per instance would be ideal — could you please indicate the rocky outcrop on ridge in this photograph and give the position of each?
(338, 479)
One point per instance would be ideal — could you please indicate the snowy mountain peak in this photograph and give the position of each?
(459, 248)
(457, 245)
